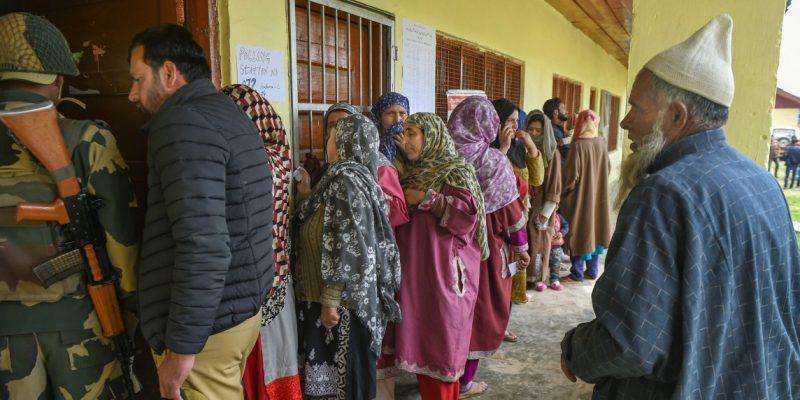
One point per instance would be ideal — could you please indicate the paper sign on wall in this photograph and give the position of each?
(263, 70)
(456, 96)
(419, 66)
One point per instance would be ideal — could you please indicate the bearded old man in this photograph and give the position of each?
(700, 298)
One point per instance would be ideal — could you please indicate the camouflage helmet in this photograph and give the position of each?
(33, 49)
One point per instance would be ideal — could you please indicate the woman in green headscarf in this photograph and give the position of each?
(441, 248)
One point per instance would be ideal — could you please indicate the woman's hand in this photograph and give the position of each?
(506, 136)
(523, 259)
(399, 141)
(572, 378)
(529, 144)
(414, 197)
(541, 219)
(304, 186)
(329, 317)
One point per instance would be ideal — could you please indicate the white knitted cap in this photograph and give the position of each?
(702, 63)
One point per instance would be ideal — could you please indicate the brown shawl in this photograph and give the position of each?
(584, 198)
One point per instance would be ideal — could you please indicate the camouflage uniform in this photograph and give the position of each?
(51, 344)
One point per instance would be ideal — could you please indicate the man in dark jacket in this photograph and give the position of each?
(206, 261)
(791, 157)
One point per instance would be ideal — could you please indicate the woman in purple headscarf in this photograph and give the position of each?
(474, 125)
(388, 113)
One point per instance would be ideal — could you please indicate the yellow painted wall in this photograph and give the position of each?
(785, 117)
(529, 30)
(658, 24)
(259, 23)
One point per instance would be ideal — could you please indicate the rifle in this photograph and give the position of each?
(36, 127)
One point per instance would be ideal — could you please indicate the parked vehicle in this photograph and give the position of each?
(784, 136)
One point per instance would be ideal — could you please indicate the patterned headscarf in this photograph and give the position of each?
(340, 106)
(473, 125)
(439, 163)
(586, 125)
(279, 157)
(546, 142)
(358, 246)
(516, 153)
(388, 147)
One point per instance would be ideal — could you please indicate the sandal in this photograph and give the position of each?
(475, 389)
(556, 285)
(510, 337)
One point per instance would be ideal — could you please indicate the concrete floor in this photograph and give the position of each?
(530, 368)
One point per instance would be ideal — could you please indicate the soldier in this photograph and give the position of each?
(51, 344)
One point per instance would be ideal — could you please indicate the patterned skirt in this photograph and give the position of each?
(337, 363)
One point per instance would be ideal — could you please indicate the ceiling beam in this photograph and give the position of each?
(583, 20)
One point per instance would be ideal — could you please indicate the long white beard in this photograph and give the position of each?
(634, 168)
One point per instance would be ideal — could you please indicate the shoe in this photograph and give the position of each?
(556, 285)
(510, 337)
(571, 280)
(590, 277)
(540, 286)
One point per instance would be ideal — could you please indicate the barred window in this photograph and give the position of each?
(342, 53)
(461, 65)
(569, 91)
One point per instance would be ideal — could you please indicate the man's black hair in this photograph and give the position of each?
(174, 43)
(551, 106)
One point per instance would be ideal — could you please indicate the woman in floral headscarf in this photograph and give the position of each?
(387, 174)
(389, 112)
(347, 268)
(441, 248)
(272, 365)
(474, 124)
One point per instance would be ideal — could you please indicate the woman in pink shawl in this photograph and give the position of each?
(474, 125)
(440, 249)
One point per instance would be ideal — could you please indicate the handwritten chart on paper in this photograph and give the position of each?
(419, 66)
(263, 70)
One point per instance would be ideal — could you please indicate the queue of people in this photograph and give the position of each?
(406, 249)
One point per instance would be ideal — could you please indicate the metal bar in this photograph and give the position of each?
(371, 92)
(486, 73)
(505, 77)
(358, 11)
(323, 46)
(349, 64)
(310, 86)
(381, 38)
(461, 67)
(391, 55)
(311, 132)
(336, 44)
(295, 133)
(322, 107)
(308, 36)
(360, 64)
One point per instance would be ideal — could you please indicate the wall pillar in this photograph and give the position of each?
(757, 25)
